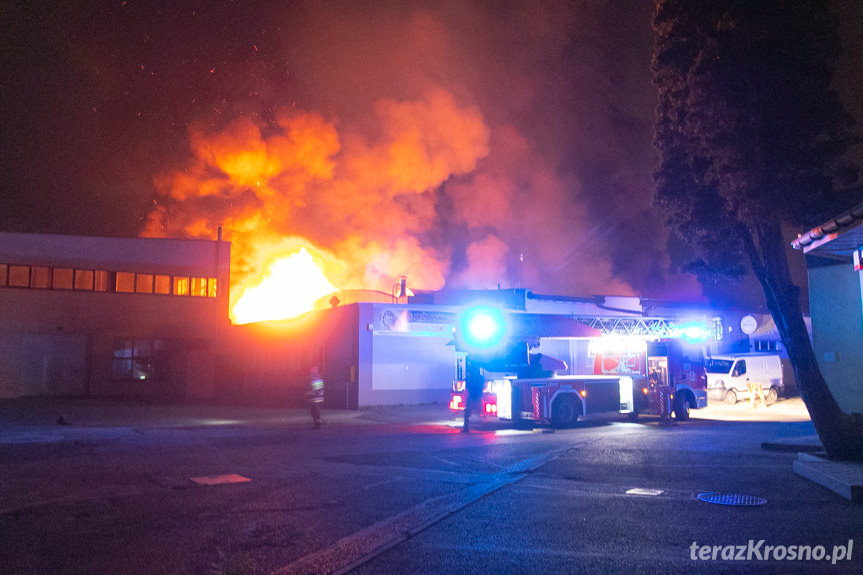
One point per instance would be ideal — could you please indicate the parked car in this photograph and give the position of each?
(729, 376)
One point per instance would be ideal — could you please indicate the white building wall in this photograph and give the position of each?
(837, 331)
(411, 357)
(365, 355)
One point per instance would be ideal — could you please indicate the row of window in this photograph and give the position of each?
(145, 359)
(766, 345)
(46, 277)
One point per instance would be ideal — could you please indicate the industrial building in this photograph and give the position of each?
(148, 318)
(103, 316)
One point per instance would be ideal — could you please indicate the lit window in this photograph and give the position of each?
(84, 280)
(19, 276)
(199, 287)
(136, 359)
(4, 274)
(62, 278)
(144, 283)
(125, 282)
(40, 277)
(100, 278)
(163, 284)
(211, 287)
(181, 286)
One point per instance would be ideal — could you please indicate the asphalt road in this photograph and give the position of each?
(125, 489)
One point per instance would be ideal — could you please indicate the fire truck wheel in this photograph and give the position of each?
(681, 407)
(731, 397)
(564, 411)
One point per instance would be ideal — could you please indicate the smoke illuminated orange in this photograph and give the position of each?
(367, 200)
(290, 288)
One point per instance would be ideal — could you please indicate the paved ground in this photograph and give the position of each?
(399, 490)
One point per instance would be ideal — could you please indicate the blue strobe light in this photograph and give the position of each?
(482, 328)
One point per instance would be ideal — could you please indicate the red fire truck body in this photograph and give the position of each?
(653, 365)
(555, 400)
(561, 400)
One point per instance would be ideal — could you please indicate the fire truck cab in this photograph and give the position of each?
(670, 364)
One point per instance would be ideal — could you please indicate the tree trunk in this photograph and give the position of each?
(840, 433)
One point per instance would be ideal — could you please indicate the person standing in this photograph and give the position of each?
(315, 395)
(473, 391)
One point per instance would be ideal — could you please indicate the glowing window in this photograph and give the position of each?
(144, 283)
(84, 280)
(181, 286)
(19, 276)
(125, 282)
(199, 287)
(62, 278)
(40, 277)
(100, 279)
(163, 284)
(211, 285)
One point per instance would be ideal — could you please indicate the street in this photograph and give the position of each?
(399, 490)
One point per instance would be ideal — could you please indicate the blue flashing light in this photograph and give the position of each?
(693, 332)
(482, 328)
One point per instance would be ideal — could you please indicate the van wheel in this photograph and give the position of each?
(632, 416)
(731, 397)
(564, 411)
(681, 407)
(772, 395)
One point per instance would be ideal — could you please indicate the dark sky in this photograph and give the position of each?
(469, 143)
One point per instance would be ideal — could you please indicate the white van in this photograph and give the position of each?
(728, 376)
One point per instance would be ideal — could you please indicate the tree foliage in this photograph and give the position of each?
(747, 112)
(751, 137)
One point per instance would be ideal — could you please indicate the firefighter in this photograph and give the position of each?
(473, 391)
(315, 396)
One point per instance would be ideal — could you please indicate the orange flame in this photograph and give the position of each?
(289, 288)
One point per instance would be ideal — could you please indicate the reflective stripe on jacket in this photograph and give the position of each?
(317, 393)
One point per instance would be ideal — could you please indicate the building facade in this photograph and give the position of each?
(102, 316)
(834, 261)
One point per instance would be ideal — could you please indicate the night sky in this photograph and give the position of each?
(466, 144)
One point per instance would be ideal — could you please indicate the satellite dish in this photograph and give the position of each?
(748, 324)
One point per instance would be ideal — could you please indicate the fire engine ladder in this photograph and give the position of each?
(641, 326)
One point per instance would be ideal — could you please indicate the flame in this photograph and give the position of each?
(289, 288)
(366, 200)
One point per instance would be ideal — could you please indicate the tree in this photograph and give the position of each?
(751, 138)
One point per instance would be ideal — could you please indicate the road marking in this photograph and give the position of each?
(219, 479)
(354, 550)
(643, 491)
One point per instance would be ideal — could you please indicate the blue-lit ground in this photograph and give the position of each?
(113, 492)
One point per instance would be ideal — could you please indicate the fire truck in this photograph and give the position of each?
(671, 365)
(635, 375)
(525, 388)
